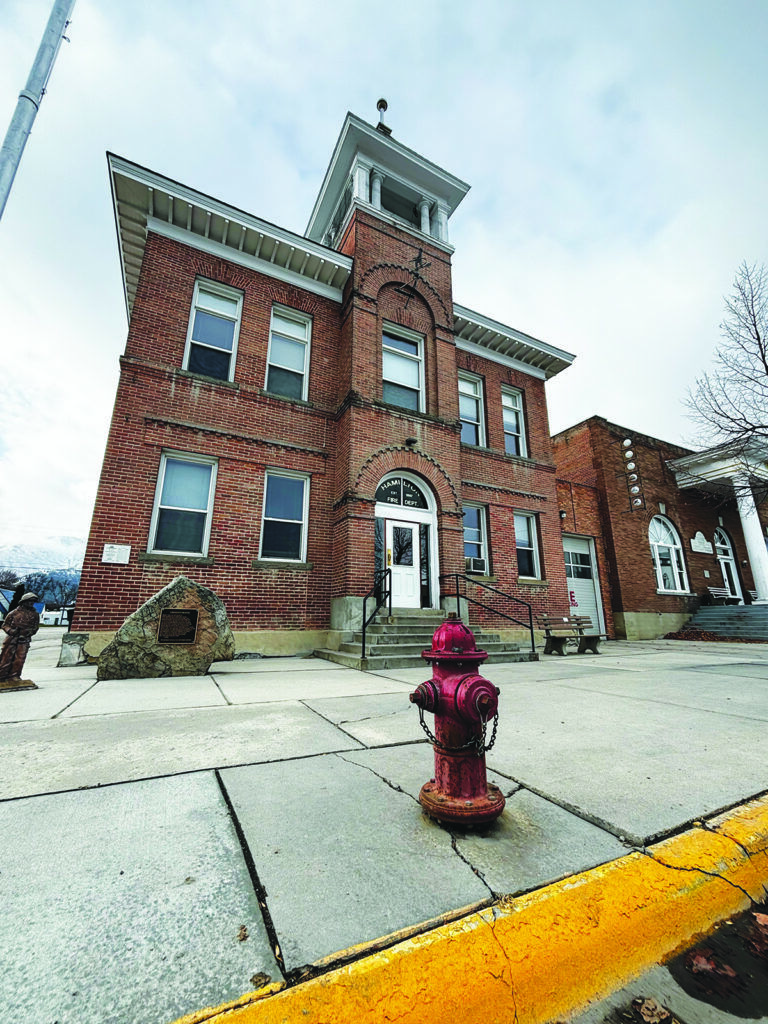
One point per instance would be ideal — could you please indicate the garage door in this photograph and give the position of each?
(583, 584)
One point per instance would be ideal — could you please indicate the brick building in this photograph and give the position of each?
(296, 412)
(667, 521)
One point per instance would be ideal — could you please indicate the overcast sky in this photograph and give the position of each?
(616, 153)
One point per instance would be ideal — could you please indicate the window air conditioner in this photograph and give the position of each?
(475, 565)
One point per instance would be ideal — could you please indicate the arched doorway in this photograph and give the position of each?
(727, 560)
(406, 539)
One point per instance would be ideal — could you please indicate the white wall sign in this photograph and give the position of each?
(116, 553)
(701, 544)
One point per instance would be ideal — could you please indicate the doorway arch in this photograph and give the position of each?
(406, 538)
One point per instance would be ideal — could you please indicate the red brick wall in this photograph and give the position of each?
(344, 437)
(593, 451)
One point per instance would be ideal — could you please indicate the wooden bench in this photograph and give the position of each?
(560, 629)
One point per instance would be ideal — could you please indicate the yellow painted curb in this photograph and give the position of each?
(544, 955)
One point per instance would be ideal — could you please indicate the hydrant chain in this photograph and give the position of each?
(475, 742)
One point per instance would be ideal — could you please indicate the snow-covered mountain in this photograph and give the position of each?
(48, 553)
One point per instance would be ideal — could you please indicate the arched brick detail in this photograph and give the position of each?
(380, 275)
(398, 457)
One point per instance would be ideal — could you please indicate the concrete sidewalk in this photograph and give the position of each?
(171, 844)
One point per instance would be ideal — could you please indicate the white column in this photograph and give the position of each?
(376, 179)
(360, 182)
(424, 214)
(753, 536)
(442, 221)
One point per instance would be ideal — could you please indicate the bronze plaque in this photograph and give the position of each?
(177, 626)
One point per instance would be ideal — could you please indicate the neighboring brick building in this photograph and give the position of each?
(670, 524)
(294, 412)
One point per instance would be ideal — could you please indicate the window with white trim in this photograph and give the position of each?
(288, 356)
(284, 523)
(475, 539)
(667, 555)
(403, 368)
(514, 424)
(471, 409)
(527, 546)
(214, 326)
(181, 517)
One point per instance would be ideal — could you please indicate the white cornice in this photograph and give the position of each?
(144, 200)
(500, 343)
(498, 357)
(225, 252)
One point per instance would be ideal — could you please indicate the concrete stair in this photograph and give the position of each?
(397, 642)
(747, 621)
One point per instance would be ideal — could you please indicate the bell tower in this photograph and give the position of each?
(370, 170)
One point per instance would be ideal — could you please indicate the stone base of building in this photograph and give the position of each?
(647, 625)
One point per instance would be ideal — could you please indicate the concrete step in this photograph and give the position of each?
(749, 622)
(393, 661)
(425, 639)
(391, 649)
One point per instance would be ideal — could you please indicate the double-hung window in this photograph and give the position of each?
(288, 358)
(181, 518)
(471, 409)
(514, 424)
(403, 368)
(214, 325)
(475, 539)
(284, 528)
(527, 546)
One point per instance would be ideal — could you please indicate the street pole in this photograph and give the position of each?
(31, 97)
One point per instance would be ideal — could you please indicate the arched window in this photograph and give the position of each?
(667, 554)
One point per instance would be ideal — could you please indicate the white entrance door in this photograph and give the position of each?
(402, 541)
(727, 562)
(583, 585)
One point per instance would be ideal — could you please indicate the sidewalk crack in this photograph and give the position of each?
(701, 871)
(259, 890)
(470, 865)
(723, 835)
(383, 778)
(509, 983)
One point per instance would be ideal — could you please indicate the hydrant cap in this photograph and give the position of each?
(452, 639)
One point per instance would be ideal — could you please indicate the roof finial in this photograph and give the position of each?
(381, 106)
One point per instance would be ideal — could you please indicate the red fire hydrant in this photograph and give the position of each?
(463, 703)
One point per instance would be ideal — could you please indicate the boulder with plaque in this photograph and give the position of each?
(178, 632)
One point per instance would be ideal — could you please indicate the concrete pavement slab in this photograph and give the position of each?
(121, 696)
(48, 700)
(707, 687)
(345, 859)
(533, 843)
(127, 904)
(274, 665)
(628, 763)
(255, 688)
(374, 720)
(41, 757)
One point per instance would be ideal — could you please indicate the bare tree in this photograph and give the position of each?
(730, 404)
(8, 579)
(57, 588)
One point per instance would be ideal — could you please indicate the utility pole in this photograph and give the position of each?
(31, 97)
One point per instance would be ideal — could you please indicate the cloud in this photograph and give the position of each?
(614, 152)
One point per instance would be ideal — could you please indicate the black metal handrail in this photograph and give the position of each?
(381, 594)
(457, 576)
